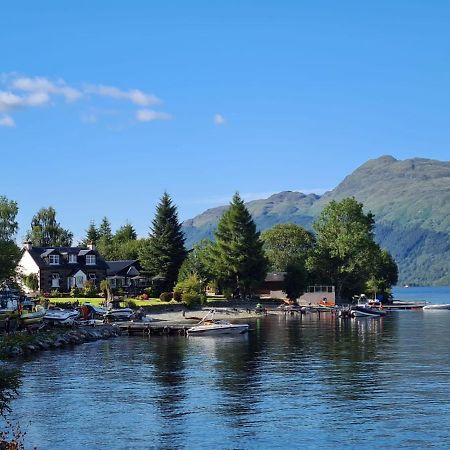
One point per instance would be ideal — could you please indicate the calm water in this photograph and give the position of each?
(291, 383)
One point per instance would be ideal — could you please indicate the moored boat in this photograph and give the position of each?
(59, 316)
(211, 327)
(437, 307)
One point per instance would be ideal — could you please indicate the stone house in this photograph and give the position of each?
(62, 268)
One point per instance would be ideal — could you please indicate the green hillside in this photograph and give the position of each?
(410, 200)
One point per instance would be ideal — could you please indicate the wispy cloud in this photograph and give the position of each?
(219, 119)
(7, 121)
(29, 92)
(147, 115)
(134, 95)
(41, 85)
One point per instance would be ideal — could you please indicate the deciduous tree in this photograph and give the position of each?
(47, 232)
(9, 252)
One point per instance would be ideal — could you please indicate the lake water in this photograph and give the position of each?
(291, 383)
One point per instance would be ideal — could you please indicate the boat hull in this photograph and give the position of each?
(445, 306)
(212, 330)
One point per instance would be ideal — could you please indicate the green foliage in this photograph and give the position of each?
(237, 259)
(163, 253)
(191, 300)
(296, 280)
(166, 296)
(54, 293)
(31, 281)
(47, 232)
(9, 252)
(345, 251)
(286, 244)
(383, 274)
(89, 289)
(197, 263)
(92, 235)
(9, 385)
(75, 292)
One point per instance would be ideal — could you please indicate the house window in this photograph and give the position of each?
(72, 258)
(55, 280)
(90, 260)
(79, 281)
(53, 260)
(92, 276)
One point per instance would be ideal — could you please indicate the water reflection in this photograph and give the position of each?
(310, 381)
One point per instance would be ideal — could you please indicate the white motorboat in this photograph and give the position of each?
(445, 306)
(119, 314)
(59, 316)
(211, 327)
(360, 313)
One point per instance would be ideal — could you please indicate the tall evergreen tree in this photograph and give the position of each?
(47, 232)
(105, 244)
(164, 251)
(237, 257)
(92, 235)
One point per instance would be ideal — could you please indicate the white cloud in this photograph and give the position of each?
(219, 119)
(28, 92)
(134, 95)
(7, 121)
(10, 101)
(147, 115)
(45, 86)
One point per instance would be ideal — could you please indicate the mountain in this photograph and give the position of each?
(410, 200)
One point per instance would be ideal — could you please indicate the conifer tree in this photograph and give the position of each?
(92, 235)
(237, 257)
(105, 244)
(164, 251)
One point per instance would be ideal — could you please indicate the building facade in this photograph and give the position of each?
(62, 268)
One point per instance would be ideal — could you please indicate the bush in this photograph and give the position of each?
(166, 296)
(54, 293)
(177, 296)
(192, 299)
(89, 289)
(150, 292)
(228, 293)
(144, 296)
(75, 292)
(131, 304)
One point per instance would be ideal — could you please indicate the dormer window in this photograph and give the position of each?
(53, 260)
(72, 258)
(90, 260)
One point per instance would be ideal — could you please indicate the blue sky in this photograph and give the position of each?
(104, 105)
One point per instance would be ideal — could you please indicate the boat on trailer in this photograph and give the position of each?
(210, 327)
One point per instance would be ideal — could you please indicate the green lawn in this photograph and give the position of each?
(98, 301)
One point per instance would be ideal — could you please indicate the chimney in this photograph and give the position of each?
(27, 245)
(91, 246)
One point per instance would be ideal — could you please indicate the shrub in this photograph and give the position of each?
(89, 289)
(54, 293)
(166, 296)
(131, 304)
(144, 296)
(150, 292)
(75, 292)
(192, 299)
(177, 296)
(228, 293)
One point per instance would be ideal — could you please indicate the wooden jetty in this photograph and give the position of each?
(161, 328)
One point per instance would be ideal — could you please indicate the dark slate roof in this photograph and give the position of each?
(275, 276)
(120, 267)
(39, 253)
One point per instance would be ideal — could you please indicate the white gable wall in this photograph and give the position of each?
(27, 265)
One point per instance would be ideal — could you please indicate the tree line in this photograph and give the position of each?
(341, 252)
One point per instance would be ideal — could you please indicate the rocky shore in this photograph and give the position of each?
(19, 344)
